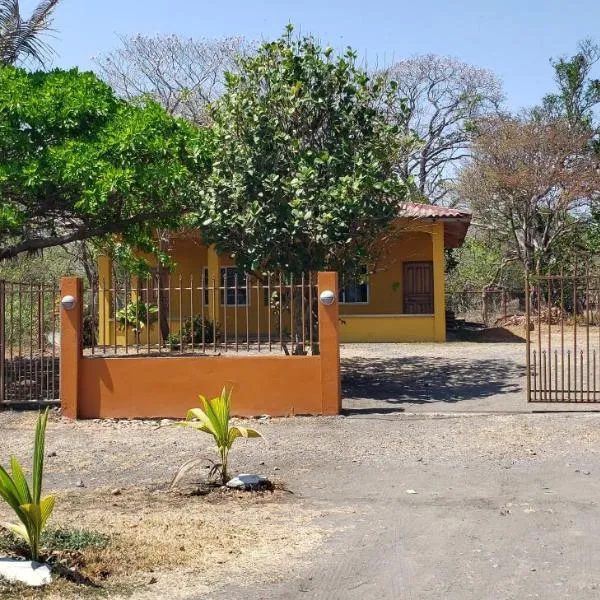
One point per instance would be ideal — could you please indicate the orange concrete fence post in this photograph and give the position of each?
(329, 345)
(71, 318)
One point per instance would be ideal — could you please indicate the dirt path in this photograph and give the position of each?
(438, 378)
(506, 505)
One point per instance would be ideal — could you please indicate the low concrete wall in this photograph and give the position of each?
(160, 386)
(168, 386)
(389, 328)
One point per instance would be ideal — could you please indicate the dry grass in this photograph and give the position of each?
(159, 539)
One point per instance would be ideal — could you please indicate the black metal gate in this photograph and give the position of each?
(29, 343)
(563, 337)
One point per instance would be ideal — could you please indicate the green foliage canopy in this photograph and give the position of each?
(304, 174)
(78, 163)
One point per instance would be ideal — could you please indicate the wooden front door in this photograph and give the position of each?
(418, 288)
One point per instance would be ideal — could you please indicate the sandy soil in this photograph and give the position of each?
(438, 482)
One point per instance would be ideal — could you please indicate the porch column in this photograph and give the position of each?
(214, 281)
(105, 271)
(439, 282)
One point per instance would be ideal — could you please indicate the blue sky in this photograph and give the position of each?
(513, 38)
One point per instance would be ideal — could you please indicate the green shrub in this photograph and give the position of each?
(200, 325)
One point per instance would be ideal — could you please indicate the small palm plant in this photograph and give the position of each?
(27, 503)
(213, 418)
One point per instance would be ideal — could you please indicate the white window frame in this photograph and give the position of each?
(343, 293)
(223, 289)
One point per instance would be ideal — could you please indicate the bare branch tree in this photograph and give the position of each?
(445, 97)
(531, 182)
(182, 74)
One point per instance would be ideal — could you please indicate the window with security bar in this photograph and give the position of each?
(233, 287)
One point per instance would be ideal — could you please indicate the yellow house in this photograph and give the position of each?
(401, 299)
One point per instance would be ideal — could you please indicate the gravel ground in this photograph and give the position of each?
(506, 506)
(453, 377)
(427, 488)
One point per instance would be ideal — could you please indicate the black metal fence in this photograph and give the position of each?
(29, 343)
(176, 315)
(563, 338)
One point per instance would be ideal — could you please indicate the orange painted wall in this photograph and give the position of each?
(167, 386)
(148, 387)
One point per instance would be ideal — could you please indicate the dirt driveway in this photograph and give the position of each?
(379, 506)
(392, 500)
(451, 377)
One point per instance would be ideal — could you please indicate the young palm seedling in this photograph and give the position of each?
(30, 508)
(213, 418)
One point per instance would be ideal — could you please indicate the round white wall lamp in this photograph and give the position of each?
(68, 302)
(327, 297)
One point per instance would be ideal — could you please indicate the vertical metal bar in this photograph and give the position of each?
(54, 297)
(93, 314)
(539, 340)
(527, 336)
(38, 358)
(30, 377)
(587, 330)
(581, 374)
(549, 305)
(224, 286)
(2, 342)
(303, 316)
(569, 375)
(114, 302)
(192, 311)
(138, 301)
(181, 313)
(562, 333)
(575, 329)
(126, 310)
(258, 314)
(535, 375)
(159, 293)
(292, 330)
(147, 301)
(235, 314)
(105, 323)
(247, 314)
(169, 311)
(214, 308)
(594, 371)
(310, 311)
(543, 373)
(281, 311)
(202, 309)
(20, 365)
(43, 377)
(555, 375)
(269, 311)
(597, 315)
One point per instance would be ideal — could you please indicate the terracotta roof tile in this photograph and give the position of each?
(429, 211)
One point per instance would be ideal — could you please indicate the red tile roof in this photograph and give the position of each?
(456, 221)
(429, 211)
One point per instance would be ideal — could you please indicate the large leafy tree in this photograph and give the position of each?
(22, 38)
(303, 178)
(78, 163)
